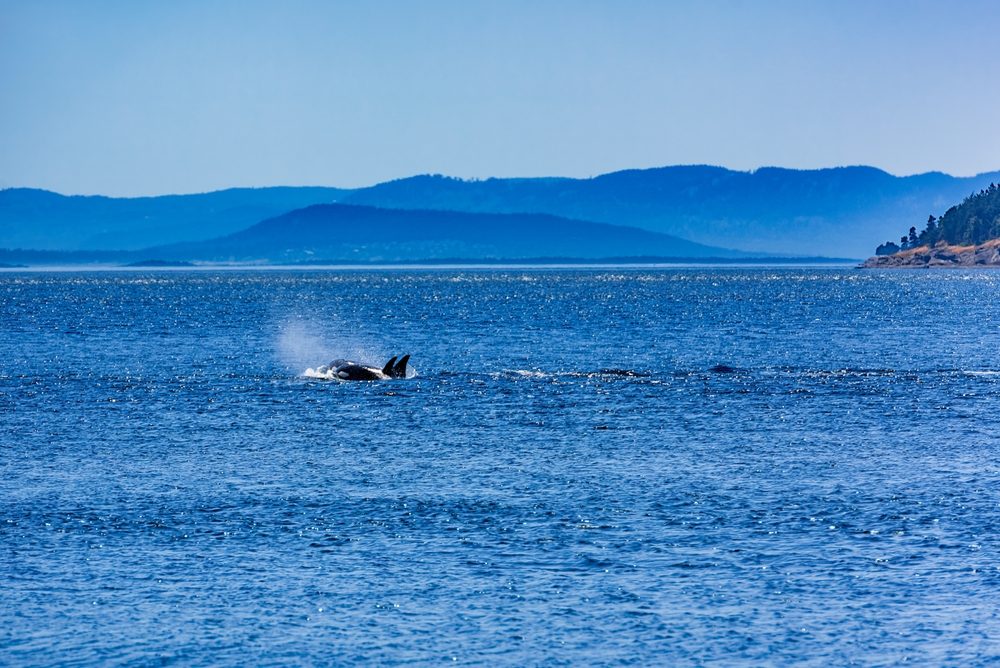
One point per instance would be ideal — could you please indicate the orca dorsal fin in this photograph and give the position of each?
(387, 369)
(400, 369)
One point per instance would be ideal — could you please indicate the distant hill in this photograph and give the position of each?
(337, 232)
(844, 211)
(43, 220)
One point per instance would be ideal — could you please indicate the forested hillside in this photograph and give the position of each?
(974, 221)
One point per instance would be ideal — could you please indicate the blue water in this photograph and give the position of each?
(563, 482)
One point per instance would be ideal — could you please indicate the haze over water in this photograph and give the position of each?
(563, 482)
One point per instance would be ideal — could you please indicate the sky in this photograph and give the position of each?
(150, 98)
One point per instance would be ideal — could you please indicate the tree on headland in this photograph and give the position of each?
(922, 240)
(888, 248)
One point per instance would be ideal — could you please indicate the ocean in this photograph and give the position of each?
(563, 480)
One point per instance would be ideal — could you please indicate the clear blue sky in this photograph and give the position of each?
(144, 98)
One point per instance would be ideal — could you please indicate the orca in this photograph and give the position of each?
(349, 370)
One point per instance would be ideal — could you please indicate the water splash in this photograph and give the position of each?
(306, 344)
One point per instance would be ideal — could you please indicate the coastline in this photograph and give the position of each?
(940, 255)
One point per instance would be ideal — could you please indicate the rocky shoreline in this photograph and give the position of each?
(941, 255)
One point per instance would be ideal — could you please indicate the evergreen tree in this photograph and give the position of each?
(927, 234)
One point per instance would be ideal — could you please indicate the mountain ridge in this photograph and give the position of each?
(43, 220)
(842, 211)
(832, 211)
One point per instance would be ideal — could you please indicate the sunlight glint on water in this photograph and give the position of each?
(564, 481)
